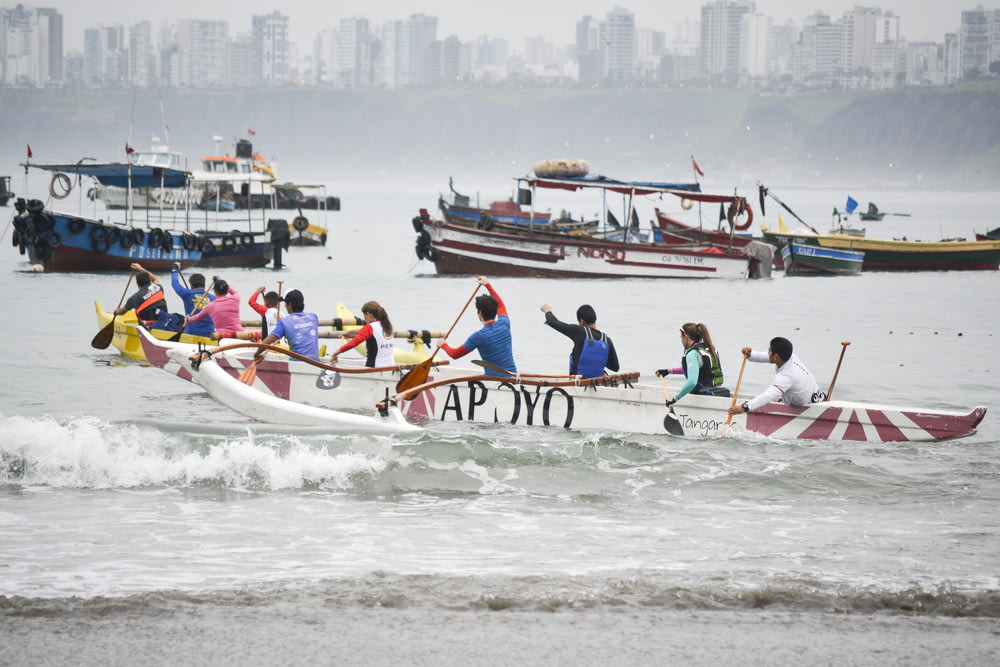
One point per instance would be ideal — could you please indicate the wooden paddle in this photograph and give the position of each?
(736, 393)
(418, 375)
(104, 336)
(249, 373)
(671, 423)
(833, 382)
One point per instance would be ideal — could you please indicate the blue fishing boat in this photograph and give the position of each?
(809, 260)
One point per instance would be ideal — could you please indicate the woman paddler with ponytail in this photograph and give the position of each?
(699, 365)
(377, 336)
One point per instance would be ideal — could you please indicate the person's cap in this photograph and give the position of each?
(295, 297)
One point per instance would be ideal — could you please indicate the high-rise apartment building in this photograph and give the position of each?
(201, 47)
(617, 46)
(721, 30)
(141, 69)
(978, 41)
(353, 67)
(271, 55)
(31, 46)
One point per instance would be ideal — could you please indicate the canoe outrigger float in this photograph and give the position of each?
(126, 337)
(611, 403)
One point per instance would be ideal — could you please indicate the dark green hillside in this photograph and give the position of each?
(917, 136)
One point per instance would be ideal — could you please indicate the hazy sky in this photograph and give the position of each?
(921, 20)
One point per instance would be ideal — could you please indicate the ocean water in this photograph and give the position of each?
(142, 522)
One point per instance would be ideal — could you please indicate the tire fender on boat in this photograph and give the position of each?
(76, 225)
(300, 223)
(207, 246)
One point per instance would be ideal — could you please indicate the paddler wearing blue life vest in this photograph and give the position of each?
(699, 365)
(592, 351)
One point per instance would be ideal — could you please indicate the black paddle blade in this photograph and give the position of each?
(492, 367)
(672, 423)
(104, 336)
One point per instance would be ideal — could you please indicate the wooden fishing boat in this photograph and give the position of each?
(614, 403)
(808, 260)
(56, 241)
(894, 255)
(457, 249)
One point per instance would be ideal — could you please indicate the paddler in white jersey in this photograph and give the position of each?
(793, 383)
(377, 336)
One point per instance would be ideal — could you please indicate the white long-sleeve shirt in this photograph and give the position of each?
(793, 384)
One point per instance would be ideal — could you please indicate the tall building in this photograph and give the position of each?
(755, 40)
(618, 46)
(31, 46)
(816, 56)
(978, 41)
(104, 56)
(141, 70)
(201, 49)
(721, 30)
(270, 54)
(353, 67)
(406, 50)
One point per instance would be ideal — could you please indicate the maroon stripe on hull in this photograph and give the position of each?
(854, 430)
(947, 426)
(503, 252)
(822, 426)
(886, 430)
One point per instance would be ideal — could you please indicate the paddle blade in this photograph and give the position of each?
(416, 377)
(249, 373)
(672, 423)
(104, 336)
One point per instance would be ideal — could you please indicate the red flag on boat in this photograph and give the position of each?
(30, 154)
(251, 132)
(694, 165)
(129, 150)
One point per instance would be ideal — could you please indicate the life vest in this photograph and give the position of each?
(593, 356)
(152, 302)
(710, 371)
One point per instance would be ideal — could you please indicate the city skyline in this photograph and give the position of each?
(921, 20)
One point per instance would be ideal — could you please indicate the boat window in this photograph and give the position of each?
(231, 166)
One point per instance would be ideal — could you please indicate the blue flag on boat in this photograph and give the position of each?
(851, 205)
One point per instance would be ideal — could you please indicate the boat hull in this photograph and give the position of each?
(617, 404)
(59, 242)
(806, 260)
(906, 255)
(464, 251)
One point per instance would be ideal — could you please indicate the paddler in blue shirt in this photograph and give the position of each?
(493, 341)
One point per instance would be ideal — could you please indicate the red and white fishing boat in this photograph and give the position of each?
(617, 403)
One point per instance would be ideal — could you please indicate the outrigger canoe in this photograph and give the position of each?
(126, 337)
(614, 403)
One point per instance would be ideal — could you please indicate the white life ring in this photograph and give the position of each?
(60, 186)
(686, 204)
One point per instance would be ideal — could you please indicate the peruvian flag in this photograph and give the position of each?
(30, 154)
(694, 165)
(128, 149)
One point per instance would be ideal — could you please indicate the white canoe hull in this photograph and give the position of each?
(622, 406)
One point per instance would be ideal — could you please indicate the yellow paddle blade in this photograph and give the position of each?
(416, 377)
(249, 373)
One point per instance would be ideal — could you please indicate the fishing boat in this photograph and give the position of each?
(892, 255)
(165, 194)
(460, 249)
(807, 260)
(992, 235)
(56, 241)
(612, 403)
